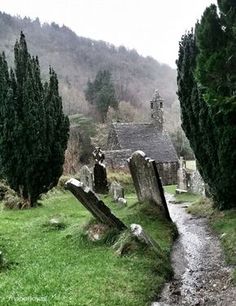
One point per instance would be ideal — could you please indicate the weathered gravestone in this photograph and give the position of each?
(138, 231)
(100, 178)
(196, 184)
(182, 176)
(93, 204)
(122, 201)
(117, 191)
(189, 180)
(147, 182)
(86, 177)
(100, 173)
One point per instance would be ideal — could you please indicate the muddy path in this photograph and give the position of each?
(200, 274)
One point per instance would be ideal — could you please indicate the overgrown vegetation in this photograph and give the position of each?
(206, 90)
(69, 269)
(33, 128)
(122, 177)
(181, 144)
(223, 223)
(101, 94)
(9, 198)
(79, 148)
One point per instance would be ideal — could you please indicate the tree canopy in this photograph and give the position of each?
(207, 93)
(101, 93)
(33, 128)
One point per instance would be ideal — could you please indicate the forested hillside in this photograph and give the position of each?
(76, 59)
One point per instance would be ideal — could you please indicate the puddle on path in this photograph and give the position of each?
(201, 277)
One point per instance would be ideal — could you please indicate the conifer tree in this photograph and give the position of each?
(206, 89)
(101, 93)
(34, 130)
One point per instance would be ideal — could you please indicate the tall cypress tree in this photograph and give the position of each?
(35, 131)
(6, 101)
(206, 89)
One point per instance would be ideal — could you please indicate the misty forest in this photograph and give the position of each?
(117, 172)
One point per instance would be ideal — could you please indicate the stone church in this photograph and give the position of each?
(125, 138)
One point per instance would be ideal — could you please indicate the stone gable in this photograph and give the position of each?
(145, 137)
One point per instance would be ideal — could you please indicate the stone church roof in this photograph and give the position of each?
(144, 136)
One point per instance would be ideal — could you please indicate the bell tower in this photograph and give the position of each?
(156, 107)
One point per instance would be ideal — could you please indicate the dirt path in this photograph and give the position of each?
(201, 277)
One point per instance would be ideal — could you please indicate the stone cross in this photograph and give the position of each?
(93, 204)
(147, 182)
(98, 155)
(181, 174)
(86, 177)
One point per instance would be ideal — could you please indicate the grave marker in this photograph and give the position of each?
(86, 177)
(147, 181)
(93, 204)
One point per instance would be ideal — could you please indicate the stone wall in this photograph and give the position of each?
(112, 140)
(168, 172)
(117, 159)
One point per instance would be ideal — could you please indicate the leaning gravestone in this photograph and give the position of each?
(117, 191)
(92, 203)
(147, 182)
(86, 177)
(100, 173)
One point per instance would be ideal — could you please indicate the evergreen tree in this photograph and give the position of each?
(206, 89)
(101, 93)
(6, 95)
(34, 130)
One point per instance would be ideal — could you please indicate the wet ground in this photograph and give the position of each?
(201, 276)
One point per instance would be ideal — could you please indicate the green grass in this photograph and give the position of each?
(183, 197)
(186, 197)
(202, 207)
(48, 265)
(223, 223)
(170, 189)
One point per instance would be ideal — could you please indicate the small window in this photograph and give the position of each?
(152, 115)
(161, 104)
(151, 105)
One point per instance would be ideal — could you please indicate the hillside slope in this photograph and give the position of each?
(76, 59)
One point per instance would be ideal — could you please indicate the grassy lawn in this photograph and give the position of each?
(223, 223)
(60, 266)
(183, 197)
